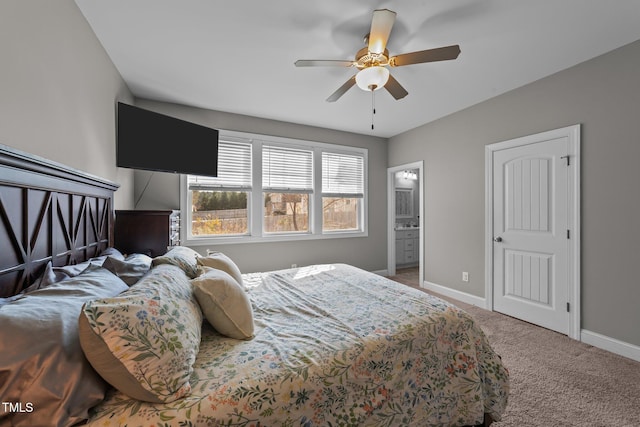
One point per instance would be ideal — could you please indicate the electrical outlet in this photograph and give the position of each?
(294, 265)
(465, 276)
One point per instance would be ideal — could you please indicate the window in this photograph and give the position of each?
(271, 188)
(287, 182)
(342, 191)
(220, 206)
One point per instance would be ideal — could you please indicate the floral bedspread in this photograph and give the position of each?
(334, 346)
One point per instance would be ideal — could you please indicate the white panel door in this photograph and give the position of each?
(530, 225)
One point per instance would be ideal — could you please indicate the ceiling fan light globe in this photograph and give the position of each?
(372, 78)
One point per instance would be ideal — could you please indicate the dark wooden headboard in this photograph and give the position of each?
(48, 212)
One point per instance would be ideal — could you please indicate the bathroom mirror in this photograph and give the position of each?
(404, 202)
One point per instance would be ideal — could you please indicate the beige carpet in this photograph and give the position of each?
(556, 381)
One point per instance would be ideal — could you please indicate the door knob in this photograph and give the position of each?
(497, 239)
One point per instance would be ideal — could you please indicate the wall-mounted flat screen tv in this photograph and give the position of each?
(156, 142)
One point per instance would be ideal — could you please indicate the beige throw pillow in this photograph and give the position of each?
(180, 256)
(224, 303)
(222, 262)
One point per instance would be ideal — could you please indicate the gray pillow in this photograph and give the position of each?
(112, 252)
(52, 274)
(130, 269)
(41, 361)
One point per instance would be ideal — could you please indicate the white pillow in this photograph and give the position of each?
(224, 303)
(222, 262)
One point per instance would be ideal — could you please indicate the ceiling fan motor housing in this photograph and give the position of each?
(366, 59)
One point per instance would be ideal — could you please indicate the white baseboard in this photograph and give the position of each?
(610, 344)
(595, 339)
(452, 293)
(384, 273)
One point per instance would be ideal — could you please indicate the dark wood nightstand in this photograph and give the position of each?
(150, 232)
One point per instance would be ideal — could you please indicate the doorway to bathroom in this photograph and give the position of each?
(405, 227)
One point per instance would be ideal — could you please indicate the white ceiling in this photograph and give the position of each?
(237, 56)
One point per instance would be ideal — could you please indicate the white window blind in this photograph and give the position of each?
(234, 169)
(286, 169)
(342, 175)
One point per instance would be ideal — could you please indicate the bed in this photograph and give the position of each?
(322, 345)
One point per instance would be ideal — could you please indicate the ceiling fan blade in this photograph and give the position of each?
(342, 90)
(381, 25)
(429, 55)
(395, 89)
(323, 63)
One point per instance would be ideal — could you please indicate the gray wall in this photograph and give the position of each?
(58, 90)
(603, 95)
(369, 253)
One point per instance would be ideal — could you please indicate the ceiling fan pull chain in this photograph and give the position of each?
(373, 106)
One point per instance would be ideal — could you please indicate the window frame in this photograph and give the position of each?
(255, 196)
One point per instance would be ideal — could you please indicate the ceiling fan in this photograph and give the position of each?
(372, 60)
